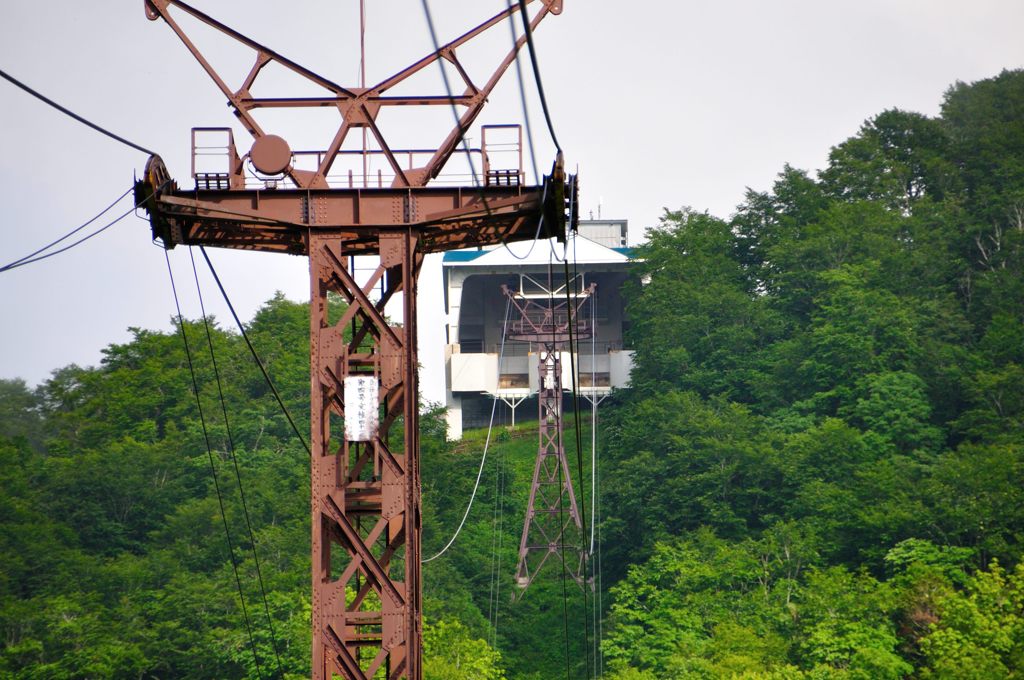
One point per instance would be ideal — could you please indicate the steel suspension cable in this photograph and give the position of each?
(448, 88)
(494, 569)
(536, 73)
(14, 81)
(522, 97)
(536, 234)
(30, 259)
(573, 350)
(234, 460)
(561, 477)
(483, 458)
(213, 467)
(498, 516)
(71, 233)
(500, 475)
(593, 416)
(594, 519)
(255, 356)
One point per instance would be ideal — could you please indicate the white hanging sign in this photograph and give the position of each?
(362, 411)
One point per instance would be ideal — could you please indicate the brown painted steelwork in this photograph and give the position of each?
(366, 614)
(359, 107)
(284, 220)
(552, 525)
(366, 495)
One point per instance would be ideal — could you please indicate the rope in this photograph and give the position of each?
(11, 265)
(561, 481)
(234, 460)
(29, 259)
(14, 81)
(255, 356)
(573, 349)
(536, 235)
(498, 519)
(448, 88)
(213, 468)
(483, 458)
(522, 97)
(536, 74)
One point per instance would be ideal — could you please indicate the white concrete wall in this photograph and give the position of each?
(621, 365)
(473, 372)
(454, 416)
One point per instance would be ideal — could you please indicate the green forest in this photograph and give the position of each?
(817, 472)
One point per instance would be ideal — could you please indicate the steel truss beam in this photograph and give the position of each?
(283, 220)
(359, 107)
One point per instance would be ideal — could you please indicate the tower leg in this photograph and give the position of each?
(366, 610)
(552, 526)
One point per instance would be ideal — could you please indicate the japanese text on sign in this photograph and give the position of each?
(361, 408)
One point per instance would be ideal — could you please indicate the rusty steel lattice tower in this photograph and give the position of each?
(366, 614)
(550, 320)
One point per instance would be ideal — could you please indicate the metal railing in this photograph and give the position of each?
(215, 162)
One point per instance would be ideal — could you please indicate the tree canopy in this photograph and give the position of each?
(815, 473)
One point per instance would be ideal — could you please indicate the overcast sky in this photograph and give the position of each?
(659, 104)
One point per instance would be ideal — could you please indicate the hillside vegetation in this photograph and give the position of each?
(816, 474)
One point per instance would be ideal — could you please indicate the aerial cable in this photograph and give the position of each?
(536, 235)
(593, 419)
(80, 119)
(573, 349)
(448, 88)
(536, 73)
(565, 249)
(497, 543)
(213, 468)
(483, 458)
(522, 98)
(498, 518)
(71, 233)
(462, 129)
(255, 356)
(31, 259)
(594, 518)
(561, 482)
(234, 460)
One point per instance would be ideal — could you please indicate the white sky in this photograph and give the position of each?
(660, 104)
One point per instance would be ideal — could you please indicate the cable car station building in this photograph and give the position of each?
(481, 364)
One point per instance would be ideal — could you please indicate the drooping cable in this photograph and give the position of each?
(536, 235)
(255, 356)
(498, 524)
(498, 516)
(463, 130)
(536, 73)
(234, 460)
(71, 233)
(14, 81)
(565, 250)
(594, 517)
(213, 468)
(483, 458)
(30, 259)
